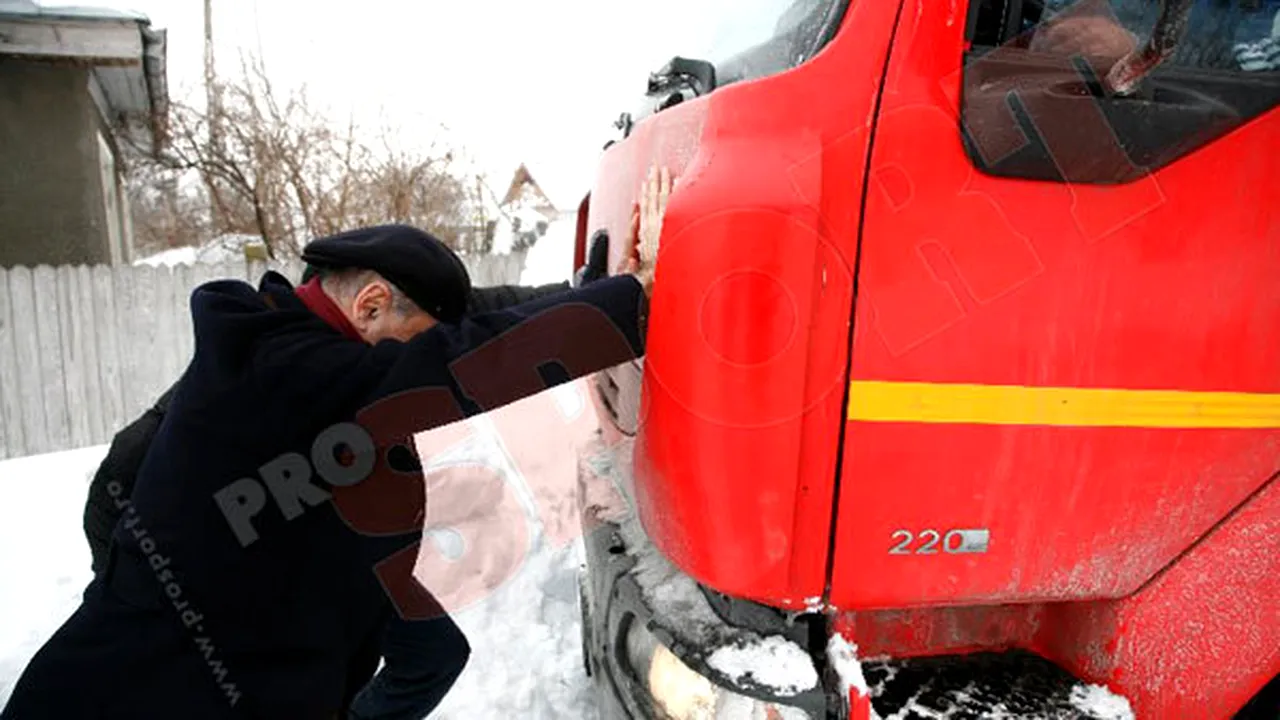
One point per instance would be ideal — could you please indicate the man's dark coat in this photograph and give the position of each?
(185, 617)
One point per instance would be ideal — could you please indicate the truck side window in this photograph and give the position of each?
(1036, 67)
(1220, 35)
(755, 38)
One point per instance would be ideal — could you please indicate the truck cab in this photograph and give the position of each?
(962, 359)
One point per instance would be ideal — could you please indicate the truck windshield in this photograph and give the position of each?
(755, 38)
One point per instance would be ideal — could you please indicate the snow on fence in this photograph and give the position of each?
(84, 350)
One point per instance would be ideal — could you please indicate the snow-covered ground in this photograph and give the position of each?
(225, 249)
(526, 651)
(44, 558)
(526, 637)
(550, 260)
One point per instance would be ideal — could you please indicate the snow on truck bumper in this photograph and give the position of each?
(656, 646)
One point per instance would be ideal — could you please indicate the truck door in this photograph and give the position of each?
(1065, 357)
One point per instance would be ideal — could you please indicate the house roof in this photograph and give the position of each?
(524, 187)
(31, 9)
(126, 56)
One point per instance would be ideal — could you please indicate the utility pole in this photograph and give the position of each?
(210, 69)
(213, 114)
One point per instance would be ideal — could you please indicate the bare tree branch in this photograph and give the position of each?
(276, 168)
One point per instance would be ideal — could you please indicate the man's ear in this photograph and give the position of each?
(373, 300)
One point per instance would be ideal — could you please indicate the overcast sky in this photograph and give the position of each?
(534, 81)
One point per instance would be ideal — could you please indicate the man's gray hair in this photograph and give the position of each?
(346, 284)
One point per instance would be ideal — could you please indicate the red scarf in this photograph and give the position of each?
(314, 297)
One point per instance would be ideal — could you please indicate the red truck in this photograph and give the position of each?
(963, 356)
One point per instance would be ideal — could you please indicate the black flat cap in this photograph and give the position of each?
(418, 263)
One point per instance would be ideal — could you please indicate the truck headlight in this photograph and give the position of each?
(682, 694)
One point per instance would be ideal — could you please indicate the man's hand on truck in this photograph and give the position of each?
(646, 228)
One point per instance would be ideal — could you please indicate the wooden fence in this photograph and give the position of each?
(84, 350)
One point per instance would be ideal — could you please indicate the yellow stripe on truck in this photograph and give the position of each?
(954, 403)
